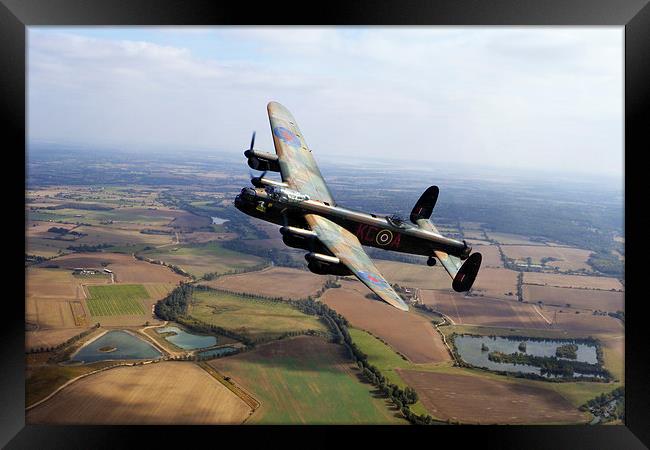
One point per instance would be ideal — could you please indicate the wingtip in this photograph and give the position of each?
(277, 109)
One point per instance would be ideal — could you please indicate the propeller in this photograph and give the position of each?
(257, 178)
(252, 141)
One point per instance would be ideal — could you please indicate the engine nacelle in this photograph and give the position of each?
(300, 238)
(263, 161)
(326, 265)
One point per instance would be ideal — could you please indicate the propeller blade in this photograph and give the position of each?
(252, 141)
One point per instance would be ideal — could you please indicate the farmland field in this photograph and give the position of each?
(577, 298)
(98, 234)
(53, 300)
(483, 311)
(567, 258)
(274, 282)
(49, 338)
(511, 239)
(160, 393)
(577, 281)
(126, 268)
(305, 380)
(116, 299)
(495, 283)
(407, 332)
(259, 319)
(204, 258)
(491, 255)
(414, 275)
(582, 322)
(476, 399)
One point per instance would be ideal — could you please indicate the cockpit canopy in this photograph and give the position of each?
(396, 221)
(282, 194)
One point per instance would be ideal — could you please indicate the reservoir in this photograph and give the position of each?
(469, 348)
(116, 345)
(187, 341)
(218, 220)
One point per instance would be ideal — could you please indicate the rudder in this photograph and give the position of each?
(424, 206)
(466, 275)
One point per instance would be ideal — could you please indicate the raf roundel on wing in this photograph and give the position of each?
(287, 137)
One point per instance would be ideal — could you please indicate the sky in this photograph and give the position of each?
(547, 98)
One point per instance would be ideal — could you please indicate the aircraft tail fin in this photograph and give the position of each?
(424, 206)
(465, 277)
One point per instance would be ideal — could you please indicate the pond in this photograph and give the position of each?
(115, 345)
(470, 350)
(216, 351)
(187, 341)
(218, 220)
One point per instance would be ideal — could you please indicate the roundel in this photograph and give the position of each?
(287, 136)
(384, 237)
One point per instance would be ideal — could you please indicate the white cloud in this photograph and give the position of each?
(529, 97)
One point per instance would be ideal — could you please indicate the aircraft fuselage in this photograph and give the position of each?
(372, 230)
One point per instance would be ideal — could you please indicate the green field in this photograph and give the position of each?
(205, 258)
(259, 319)
(306, 380)
(386, 360)
(116, 299)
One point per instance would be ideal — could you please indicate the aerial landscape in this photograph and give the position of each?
(149, 294)
(455, 256)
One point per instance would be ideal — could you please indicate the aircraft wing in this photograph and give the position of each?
(347, 248)
(297, 165)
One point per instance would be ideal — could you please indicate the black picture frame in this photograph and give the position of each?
(634, 15)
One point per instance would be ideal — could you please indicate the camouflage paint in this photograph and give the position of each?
(348, 249)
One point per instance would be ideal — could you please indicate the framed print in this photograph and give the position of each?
(434, 230)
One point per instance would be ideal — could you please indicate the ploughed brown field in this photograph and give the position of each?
(495, 283)
(160, 393)
(483, 311)
(126, 268)
(577, 281)
(585, 322)
(569, 258)
(409, 333)
(414, 275)
(577, 298)
(273, 282)
(491, 255)
(49, 338)
(54, 305)
(475, 399)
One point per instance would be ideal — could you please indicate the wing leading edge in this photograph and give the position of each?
(298, 167)
(348, 249)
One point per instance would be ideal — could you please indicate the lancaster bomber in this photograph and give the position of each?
(312, 220)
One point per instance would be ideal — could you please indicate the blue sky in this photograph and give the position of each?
(512, 97)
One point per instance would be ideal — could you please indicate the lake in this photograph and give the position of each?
(116, 345)
(469, 349)
(218, 220)
(187, 341)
